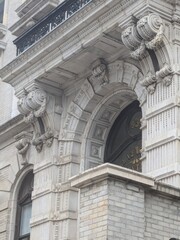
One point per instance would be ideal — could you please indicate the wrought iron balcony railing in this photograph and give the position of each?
(50, 22)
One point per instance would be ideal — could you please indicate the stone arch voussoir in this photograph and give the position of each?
(123, 79)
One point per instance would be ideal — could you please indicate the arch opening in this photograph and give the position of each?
(124, 141)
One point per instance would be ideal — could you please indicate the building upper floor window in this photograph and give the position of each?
(24, 207)
(1, 10)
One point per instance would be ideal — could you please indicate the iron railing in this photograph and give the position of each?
(47, 24)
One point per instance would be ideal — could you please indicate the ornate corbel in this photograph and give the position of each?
(146, 33)
(46, 138)
(149, 82)
(33, 105)
(100, 72)
(149, 26)
(23, 141)
(165, 75)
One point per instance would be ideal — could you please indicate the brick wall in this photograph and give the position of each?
(125, 207)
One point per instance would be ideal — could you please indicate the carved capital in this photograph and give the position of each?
(33, 104)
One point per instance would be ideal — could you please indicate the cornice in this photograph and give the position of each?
(71, 37)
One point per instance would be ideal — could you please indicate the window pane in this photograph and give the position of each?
(25, 219)
(1, 10)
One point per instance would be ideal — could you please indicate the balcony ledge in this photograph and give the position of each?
(72, 37)
(31, 13)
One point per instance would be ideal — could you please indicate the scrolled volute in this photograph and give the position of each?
(33, 104)
(131, 37)
(146, 33)
(149, 26)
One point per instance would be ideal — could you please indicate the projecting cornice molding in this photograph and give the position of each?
(69, 38)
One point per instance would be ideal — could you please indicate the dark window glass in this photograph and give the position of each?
(24, 207)
(1, 10)
(124, 141)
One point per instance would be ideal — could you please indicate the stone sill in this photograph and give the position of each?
(107, 170)
(31, 13)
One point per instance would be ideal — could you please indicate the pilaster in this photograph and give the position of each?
(154, 43)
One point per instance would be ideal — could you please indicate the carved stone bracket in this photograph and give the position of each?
(165, 75)
(99, 72)
(147, 33)
(33, 105)
(46, 138)
(23, 141)
(149, 82)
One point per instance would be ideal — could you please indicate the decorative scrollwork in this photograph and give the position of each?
(149, 26)
(149, 82)
(131, 37)
(33, 105)
(46, 138)
(165, 75)
(148, 33)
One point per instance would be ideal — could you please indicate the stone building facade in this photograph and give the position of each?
(89, 120)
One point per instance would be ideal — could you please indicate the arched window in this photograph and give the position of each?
(24, 207)
(125, 139)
